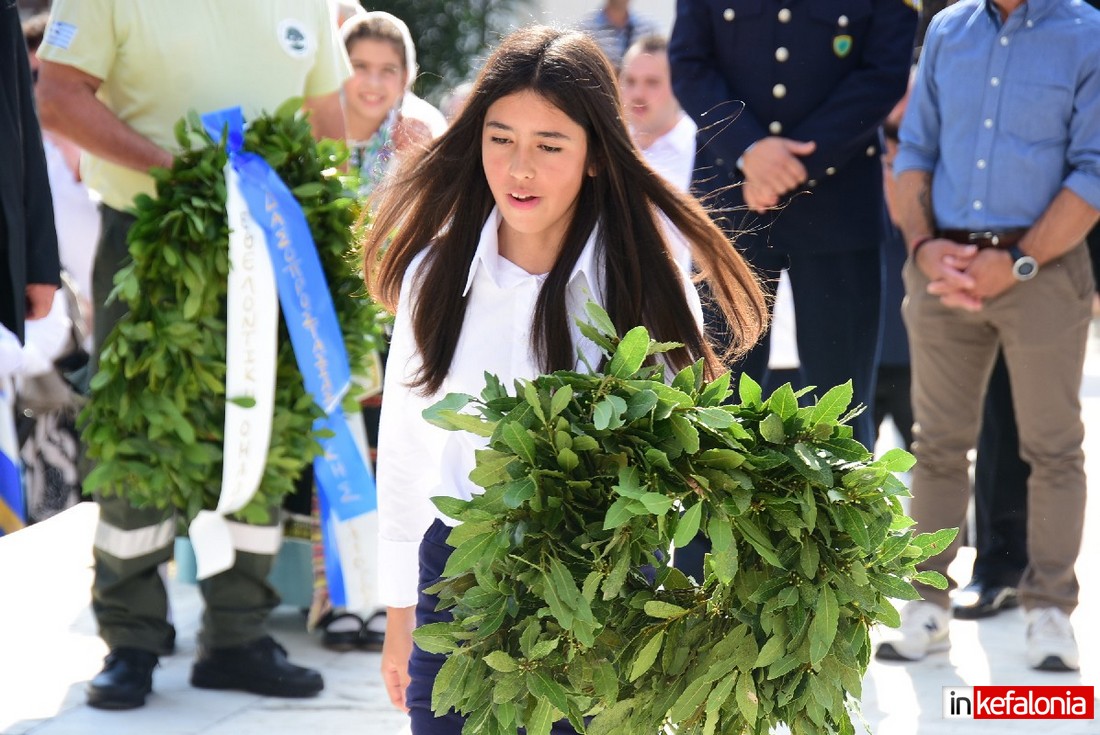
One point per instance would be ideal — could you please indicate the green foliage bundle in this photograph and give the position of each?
(564, 601)
(155, 421)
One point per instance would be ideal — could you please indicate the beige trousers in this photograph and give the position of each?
(1042, 326)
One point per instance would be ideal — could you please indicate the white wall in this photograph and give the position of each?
(567, 12)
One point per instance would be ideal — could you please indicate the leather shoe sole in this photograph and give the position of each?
(114, 700)
(985, 602)
(207, 677)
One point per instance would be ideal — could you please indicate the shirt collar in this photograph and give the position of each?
(1031, 10)
(585, 271)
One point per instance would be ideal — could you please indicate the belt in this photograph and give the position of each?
(1002, 239)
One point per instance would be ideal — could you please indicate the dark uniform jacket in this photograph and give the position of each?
(822, 70)
(28, 240)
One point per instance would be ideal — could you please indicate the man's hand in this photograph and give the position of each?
(992, 273)
(39, 299)
(757, 198)
(945, 263)
(773, 167)
(396, 650)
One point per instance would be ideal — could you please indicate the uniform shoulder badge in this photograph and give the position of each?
(842, 45)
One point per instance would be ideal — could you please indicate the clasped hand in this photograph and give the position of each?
(772, 169)
(963, 276)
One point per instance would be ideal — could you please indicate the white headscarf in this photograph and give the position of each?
(360, 19)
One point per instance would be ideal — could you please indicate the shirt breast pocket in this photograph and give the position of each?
(1037, 112)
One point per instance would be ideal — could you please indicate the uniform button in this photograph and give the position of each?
(842, 21)
(981, 163)
(1031, 24)
(728, 14)
(811, 183)
(988, 123)
(782, 54)
(830, 171)
(995, 81)
(784, 15)
(1004, 40)
(870, 150)
(779, 91)
(977, 204)
(720, 162)
(775, 127)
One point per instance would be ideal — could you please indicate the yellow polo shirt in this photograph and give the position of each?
(159, 59)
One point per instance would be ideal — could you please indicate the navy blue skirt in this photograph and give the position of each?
(423, 666)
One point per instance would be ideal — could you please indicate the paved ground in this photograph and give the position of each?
(49, 648)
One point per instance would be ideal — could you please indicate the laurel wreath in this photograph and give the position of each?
(154, 424)
(565, 605)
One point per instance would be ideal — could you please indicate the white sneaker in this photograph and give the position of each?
(1050, 642)
(923, 630)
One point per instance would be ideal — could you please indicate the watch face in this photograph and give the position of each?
(1025, 267)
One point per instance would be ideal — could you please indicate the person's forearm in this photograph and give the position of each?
(402, 618)
(69, 107)
(1063, 225)
(326, 116)
(914, 197)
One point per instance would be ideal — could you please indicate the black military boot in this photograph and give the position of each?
(260, 667)
(124, 682)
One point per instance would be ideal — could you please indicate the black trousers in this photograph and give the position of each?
(893, 399)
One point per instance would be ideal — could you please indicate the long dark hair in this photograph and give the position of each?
(441, 199)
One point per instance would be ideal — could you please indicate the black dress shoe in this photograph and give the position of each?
(983, 601)
(260, 667)
(124, 682)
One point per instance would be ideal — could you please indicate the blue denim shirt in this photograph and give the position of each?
(1006, 115)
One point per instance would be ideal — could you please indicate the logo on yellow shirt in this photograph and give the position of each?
(294, 39)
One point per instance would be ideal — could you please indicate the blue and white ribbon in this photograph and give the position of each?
(261, 206)
(12, 514)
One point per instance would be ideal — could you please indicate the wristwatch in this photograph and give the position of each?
(1024, 267)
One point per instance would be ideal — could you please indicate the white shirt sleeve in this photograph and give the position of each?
(409, 453)
(11, 353)
(47, 338)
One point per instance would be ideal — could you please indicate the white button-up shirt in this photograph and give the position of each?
(673, 154)
(416, 460)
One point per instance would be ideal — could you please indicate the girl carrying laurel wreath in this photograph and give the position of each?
(534, 202)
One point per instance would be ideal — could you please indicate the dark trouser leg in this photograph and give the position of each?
(893, 399)
(1000, 489)
(423, 666)
(1094, 254)
(111, 254)
(238, 602)
(838, 315)
(128, 595)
